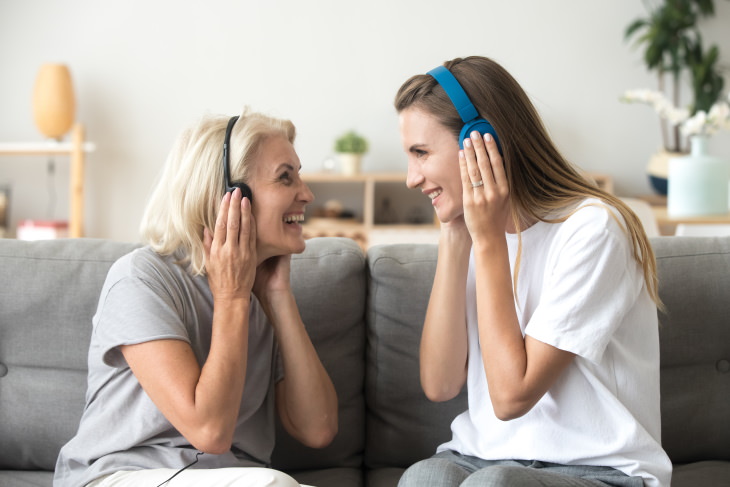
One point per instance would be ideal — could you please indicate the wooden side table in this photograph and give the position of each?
(668, 224)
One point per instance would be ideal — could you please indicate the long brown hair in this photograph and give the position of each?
(541, 181)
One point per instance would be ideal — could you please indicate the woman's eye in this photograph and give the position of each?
(285, 178)
(420, 153)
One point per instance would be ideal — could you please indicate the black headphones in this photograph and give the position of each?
(467, 111)
(230, 187)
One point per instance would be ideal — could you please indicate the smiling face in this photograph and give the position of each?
(280, 196)
(433, 161)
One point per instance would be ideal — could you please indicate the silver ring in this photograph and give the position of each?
(477, 184)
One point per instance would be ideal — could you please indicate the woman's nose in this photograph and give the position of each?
(414, 178)
(305, 194)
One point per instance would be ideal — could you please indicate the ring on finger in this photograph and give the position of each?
(477, 184)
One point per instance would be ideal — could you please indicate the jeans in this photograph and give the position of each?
(451, 469)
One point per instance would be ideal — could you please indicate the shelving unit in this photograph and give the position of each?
(364, 196)
(76, 150)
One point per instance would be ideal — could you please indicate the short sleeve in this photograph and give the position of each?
(591, 281)
(134, 310)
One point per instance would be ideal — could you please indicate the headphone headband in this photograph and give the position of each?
(467, 111)
(245, 189)
(457, 95)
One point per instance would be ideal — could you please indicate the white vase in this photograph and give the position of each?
(698, 182)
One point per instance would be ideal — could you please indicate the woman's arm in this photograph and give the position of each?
(203, 404)
(444, 349)
(305, 398)
(519, 370)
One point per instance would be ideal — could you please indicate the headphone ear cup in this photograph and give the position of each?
(481, 126)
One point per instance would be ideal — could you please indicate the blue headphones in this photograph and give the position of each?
(230, 187)
(467, 111)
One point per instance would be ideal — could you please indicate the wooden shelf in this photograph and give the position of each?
(76, 150)
(366, 192)
(363, 194)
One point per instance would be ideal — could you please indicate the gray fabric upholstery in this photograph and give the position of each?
(329, 283)
(694, 284)
(365, 318)
(403, 426)
(49, 294)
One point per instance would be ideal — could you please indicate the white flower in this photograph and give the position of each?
(700, 123)
(708, 123)
(659, 102)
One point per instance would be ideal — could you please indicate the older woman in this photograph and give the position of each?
(197, 340)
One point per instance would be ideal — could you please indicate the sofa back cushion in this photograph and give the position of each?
(330, 285)
(403, 426)
(50, 290)
(694, 284)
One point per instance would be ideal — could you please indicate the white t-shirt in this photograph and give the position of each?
(579, 289)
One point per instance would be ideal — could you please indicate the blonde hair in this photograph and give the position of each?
(541, 181)
(190, 187)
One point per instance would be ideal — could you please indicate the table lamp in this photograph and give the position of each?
(54, 106)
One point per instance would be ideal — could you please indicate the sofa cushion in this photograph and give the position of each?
(701, 474)
(45, 329)
(330, 286)
(694, 284)
(403, 426)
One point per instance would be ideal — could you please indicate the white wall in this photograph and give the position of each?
(144, 69)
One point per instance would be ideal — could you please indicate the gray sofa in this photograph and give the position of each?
(364, 313)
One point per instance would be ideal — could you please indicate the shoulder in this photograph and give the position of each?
(143, 263)
(592, 219)
(591, 230)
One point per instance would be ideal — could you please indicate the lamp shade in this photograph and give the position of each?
(54, 105)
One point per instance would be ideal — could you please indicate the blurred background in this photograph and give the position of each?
(144, 70)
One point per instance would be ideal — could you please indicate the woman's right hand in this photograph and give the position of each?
(230, 253)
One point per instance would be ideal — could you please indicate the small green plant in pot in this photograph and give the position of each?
(350, 147)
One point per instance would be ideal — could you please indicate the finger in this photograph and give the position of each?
(465, 180)
(219, 234)
(475, 175)
(482, 159)
(247, 226)
(234, 217)
(497, 163)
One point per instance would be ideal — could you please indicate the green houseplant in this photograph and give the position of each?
(674, 50)
(350, 147)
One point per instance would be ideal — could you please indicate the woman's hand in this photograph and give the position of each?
(273, 275)
(230, 253)
(485, 187)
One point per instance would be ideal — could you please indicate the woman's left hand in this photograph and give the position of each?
(485, 187)
(272, 276)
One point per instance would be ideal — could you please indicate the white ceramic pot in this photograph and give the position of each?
(350, 163)
(698, 183)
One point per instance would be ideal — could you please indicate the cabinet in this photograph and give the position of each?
(375, 207)
(76, 150)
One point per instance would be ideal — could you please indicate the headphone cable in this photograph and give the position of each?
(180, 471)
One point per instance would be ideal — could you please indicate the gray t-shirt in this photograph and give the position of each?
(149, 297)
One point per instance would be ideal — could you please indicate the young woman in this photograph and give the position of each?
(544, 301)
(197, 340)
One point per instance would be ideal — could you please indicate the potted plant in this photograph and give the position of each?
(350, 147)
(674, 50)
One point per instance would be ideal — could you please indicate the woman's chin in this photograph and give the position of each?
(282, 248)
